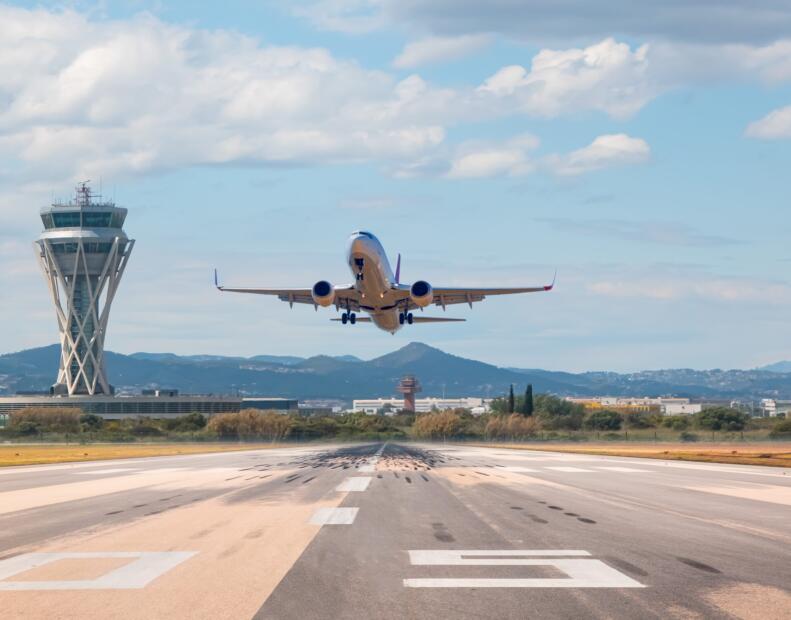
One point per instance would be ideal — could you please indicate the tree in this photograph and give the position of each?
(527, 406)
(721, 419)
(511, 405)
(604, 420)
(558, 413)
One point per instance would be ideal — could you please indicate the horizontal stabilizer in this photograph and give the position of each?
(360, 319)
(435, 319)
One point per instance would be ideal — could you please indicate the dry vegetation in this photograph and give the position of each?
(777, 454)
(31, 454)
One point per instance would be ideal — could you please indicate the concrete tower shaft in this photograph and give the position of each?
(409, 386)
(83, 252)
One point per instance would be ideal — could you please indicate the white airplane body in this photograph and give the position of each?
(378, 292)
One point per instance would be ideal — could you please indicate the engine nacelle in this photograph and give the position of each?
(323, 293)
(421, 293)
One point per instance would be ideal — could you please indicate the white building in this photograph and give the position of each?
(666, 405)
(680, 408)
(772, 408)
(390, 406)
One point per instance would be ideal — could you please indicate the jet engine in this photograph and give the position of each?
(421, 293)
(323, 293)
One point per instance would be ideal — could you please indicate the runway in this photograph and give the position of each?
(395, 531)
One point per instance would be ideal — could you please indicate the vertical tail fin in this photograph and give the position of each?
(398, 270)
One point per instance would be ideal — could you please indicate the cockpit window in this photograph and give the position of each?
(365, 234)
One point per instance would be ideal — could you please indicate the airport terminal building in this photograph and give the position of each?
(170, 405)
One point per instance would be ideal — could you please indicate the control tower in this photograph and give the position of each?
(83, 252)
(409, 386)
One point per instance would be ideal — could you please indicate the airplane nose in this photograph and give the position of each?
(357, 245)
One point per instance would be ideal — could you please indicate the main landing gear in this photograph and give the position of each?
(405, 318)
(348, 317)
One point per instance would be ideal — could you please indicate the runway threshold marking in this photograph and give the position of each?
(354, 484)
(334, 516)
(585, 572)
(145, 567)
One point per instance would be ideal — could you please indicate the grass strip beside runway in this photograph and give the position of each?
(37, 454)
(775, 454)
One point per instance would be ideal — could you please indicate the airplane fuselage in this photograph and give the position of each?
(374, 280)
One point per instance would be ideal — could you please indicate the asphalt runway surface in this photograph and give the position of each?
(395, 531)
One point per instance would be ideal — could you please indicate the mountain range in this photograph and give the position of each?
(347, 377)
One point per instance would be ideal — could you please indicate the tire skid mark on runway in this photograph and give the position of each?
(699, 565)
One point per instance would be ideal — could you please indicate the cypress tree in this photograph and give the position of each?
(511, 405)
(527, 408)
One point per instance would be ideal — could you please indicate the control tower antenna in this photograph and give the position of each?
(83, 252)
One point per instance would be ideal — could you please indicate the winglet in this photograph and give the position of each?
(551, 286)
(216, 280)
(398, 270)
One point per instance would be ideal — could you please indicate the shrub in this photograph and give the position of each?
(721, 419)
(781, 429)
(676, 422)
(45, 420)
(558, 413)
(90, 422)
(604, 420)
(250, 424)
(685, 436)
(514, 426)
(441, 424)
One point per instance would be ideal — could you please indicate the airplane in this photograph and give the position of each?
(379, 292)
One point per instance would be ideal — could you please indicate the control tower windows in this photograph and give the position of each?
(66, 220)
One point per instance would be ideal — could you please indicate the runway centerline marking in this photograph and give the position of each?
(354, 484)
(571, 470)
(626, 469)
(586, 572)
(334, 516)
(145, 567)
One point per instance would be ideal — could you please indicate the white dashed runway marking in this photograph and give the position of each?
(571, 470)
(354, 484)
(334, 516)
(584, 572)
(95, 472)
(520, 470)
(626, 469)
(145, 567)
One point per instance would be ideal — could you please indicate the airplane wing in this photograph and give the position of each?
(346, 296)
(417, 319)
(444, 296)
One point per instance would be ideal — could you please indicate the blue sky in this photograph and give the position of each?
(643, 152)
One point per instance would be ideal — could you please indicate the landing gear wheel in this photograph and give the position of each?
(401, 318)
(410, 318)
(352, 318)
(344, 318)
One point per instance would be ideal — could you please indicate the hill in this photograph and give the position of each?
(348, 377)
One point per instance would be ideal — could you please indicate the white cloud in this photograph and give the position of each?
(480, 159)
(695, 286)
(775, 125)
(439, 49)
(605, 151)
(514, 157)
(124, 97)
(347, 16)
(607, 76)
